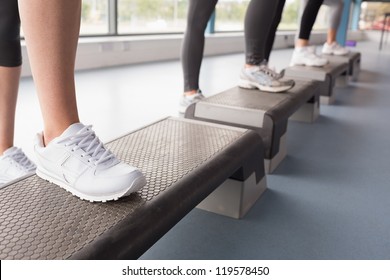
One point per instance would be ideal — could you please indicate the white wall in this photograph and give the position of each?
(102, 52)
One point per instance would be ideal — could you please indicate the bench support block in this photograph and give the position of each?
(234, 198)
(342, 81)
(355, 70)
(308, 113)
(271, 164)
(327, 100)
(332, 74)
(353, 59)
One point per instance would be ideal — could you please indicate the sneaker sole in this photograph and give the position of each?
(135, 186)
(340, 54)
(335, 53)
(308, 64)
(252, 85)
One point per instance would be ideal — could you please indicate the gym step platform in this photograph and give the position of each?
(331, 74)
(352, 58)
(264, 112)
(184, 161)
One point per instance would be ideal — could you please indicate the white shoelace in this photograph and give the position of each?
(86, 140)
(269, 72)
(22, 160)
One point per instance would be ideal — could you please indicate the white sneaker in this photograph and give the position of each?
(78, 162)
(307, 56)
(334, 49)
(263, 78)
(187, 100)
(15, 164)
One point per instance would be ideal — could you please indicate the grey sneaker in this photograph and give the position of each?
(187, 100)
(264, 79)
(14, 164)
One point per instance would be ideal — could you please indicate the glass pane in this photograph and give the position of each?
(151, 16)
(94, 17)
(291, 16)
(322, 19)
(230, 15)
(372, 16)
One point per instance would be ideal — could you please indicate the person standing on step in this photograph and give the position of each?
(255, 74)
(335, 13)
(69, 154)
(303, 53)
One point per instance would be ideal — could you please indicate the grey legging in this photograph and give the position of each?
(260, 14)
(10, 50)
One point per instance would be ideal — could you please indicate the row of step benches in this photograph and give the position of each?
(215, 159)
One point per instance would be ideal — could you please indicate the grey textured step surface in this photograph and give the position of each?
(183, 161)
(266, 113)
(327, 76)
(352, 58)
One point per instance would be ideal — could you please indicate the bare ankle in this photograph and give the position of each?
(190, 92)
(4, 147)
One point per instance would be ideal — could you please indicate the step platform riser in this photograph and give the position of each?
(234, 198)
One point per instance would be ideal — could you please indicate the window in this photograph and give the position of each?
(372, 16)
(169, 16)
(151, 16)
(230, 15)
(94, 17)
(291, 16)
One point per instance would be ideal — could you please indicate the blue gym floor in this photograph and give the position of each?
(329, 199)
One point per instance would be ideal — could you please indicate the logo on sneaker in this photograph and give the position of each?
(72, 168)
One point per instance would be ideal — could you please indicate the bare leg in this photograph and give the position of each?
(51, 30)
(9, 77)
(331, 37)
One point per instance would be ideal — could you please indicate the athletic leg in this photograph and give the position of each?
(256, 74)
(13, 162)
(307, 21)
(259, 15)
(335, 13)
(303, 53)
(199, 12)
(10, 62)
(68, 153)
(51, 31)
(274, 26)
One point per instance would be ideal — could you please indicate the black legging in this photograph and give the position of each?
(259, 18)
(308, 18)
(199, 13)
(10, 50)
(274, 27)
(257, 24)
(307, 21)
